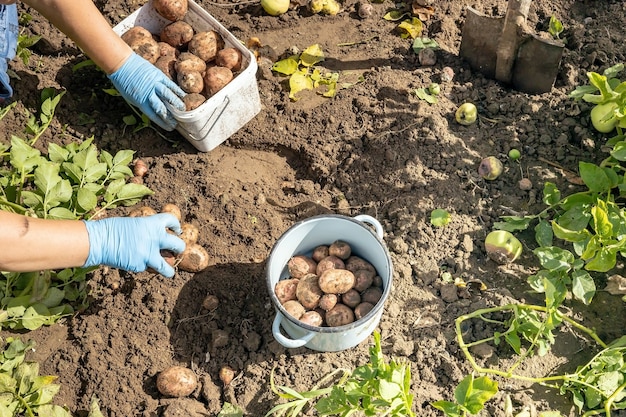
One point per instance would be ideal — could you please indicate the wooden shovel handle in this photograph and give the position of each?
(511, 37)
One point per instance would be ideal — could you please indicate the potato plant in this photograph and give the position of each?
(75, 181)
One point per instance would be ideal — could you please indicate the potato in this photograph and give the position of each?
(171, 9)
(362, 309)
(372, 295)
(294, 309)
(340, 315)
(328, 301)
(300, 265)
(230, 58)
(177, 381)
(194, 259)
(140, 168)
(142, 212)
(215, 79)
(167, 64)
(227, 374)
(308, 292)
(364, 279)
(351, 298)
(177, 34)
(172, 209)
(169, 256)
(354, 263)
(320, 253)
(193, 101)
(285, 289)
(165, 49)
(329, 262)
(336, 281)
(378, 281)
(340, 249)
(141, 41)
(190, 233)
(190, 82)
(206, 44)
(312, 318)
(188, 62)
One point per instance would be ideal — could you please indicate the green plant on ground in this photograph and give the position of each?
(378, 388)
(23, 392)
(25, 41)
(74, 182)
(576, 236)
(555, 27)
(470, 396)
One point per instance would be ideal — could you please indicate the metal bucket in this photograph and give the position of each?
(302, 238)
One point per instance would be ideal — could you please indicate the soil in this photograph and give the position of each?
(375, 149)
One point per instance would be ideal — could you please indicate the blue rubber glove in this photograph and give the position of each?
(8, 46)
(146, 87)
(134, 243)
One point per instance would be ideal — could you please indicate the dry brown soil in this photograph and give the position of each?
(374, 149)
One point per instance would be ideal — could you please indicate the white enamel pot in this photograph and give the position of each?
(301, 239)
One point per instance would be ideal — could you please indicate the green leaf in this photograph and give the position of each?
(389, 390)
(23, 157)
(576, 218)
(130, 194)
(57, 153)
(396, 15)
(86, 199)
(61, 213)
(35, 316)
(513, 223)
(594, 177)
(423, 43)
(601, 223)
(94, 408)
(554, 258)
(312, 55)
(543, 233)
(228, 410)
(604, 261)
(449, 408)
(286, 66)
(551, 194)
(583, 286)
(439, 217)
(299, 81)
(569, 235)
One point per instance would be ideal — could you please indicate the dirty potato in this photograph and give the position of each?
(351, 298)
(193, 101)
(328, 301)
(364, 279)
(336, 281)
(372, 295)
(171, 9)
(308, 291)
(319, 253)
(167, 64)
(190, 82)
(294, 308)
(285, 289)
(206, 44)
(230, 58)
(340, 315)
(142, 43)
(340, 249)
(301, 265)
(216, 78)
(329, 262)
(188, 62)
(312, 318)
(362, 309)
(177, 34)
(354, 263)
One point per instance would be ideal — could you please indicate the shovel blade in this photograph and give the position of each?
(537, 65)
(479, 41)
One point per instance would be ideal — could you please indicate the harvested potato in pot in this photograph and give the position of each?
(190, 82)
(362, 309)
(177, 34)
(336, 281)
(193, 101)
(309, 292)
(340, 249)
(319, 253)
(216, 78)
(301, 265)
(285, 289)
(364, 278)
(206, 44)
(188, 62)
(354, 263)
(351, 298)
(328, 301)
(136, 34)
(312, 318)
(329, 262)
(166, 49)
(230, 58)
(294, 309)
(340, 315)
(171, 9)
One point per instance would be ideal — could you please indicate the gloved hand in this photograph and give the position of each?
(146, 87)
(134, 243)
(8, 46)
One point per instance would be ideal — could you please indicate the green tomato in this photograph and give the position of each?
(466, 114)
(502, 247)
(275, 7)
(434, 89)
(514, 154)
(603, 117)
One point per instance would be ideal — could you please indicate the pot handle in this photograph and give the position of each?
(370, 220)
(286, 342)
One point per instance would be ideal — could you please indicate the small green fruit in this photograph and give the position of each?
(603, 117)
(490, 168)
(514, 154)
(502, 247)
(466, 114)
(275, 7)
(434, 89)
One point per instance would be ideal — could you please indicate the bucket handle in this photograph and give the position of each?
(372, 221)
(286, 342)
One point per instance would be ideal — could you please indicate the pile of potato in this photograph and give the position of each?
(198, 62)
(330, 288)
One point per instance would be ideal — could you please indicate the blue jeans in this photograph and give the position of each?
(8, 46)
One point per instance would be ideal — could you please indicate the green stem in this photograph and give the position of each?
(14, 206)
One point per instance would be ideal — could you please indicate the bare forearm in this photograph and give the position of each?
(30, 244)
(82, 22)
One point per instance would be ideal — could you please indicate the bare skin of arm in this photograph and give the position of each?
(30, 244)
(82, 22)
